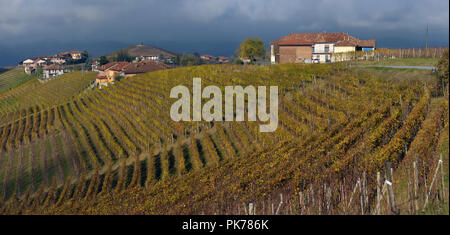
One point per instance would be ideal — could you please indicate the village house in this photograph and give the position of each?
(31, 65)
(95, 65)
(223, 59)
(28, 66)
(73, 54)
(144, 66)
(102, 77)
(109, 72)
(104, 68)
(316, 47)
(168, 59)
(57, 60)
(116, 70)
(148, 57)
(40, 62)
(208, 58)
(52, 70)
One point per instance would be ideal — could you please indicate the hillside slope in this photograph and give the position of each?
(116, 150)
(138, 50)
(12, 78)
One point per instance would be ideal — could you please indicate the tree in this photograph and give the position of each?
(103, 60)
(122, 55)
(190, 60)
(252, 49)
(84, 57)
(238, 61)
(117, 77)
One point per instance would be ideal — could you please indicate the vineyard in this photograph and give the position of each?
(12, 78)
(37, 93)
(383, 55)
(67, 148)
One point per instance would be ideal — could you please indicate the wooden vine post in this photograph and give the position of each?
(377, 209)
(416, 186)
(389, 182)
(428, 194)
(441, 164)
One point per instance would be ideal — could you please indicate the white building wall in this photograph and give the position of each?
(341, 52)
(272, 54)
(319, 52)
(320, 47)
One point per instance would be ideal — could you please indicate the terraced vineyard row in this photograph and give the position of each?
(332, 125)
(122, 121)
(46, 94)
(12, 78)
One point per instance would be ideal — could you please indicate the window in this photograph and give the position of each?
(327, 49)
(312, 49)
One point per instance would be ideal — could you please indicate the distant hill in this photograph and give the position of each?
(138, 50)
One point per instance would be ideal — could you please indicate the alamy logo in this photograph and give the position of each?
(212, 109)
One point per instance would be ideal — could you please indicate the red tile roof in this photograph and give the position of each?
(53, 67)
(294, 42)
(316, 37)
(106, 66)
(366, 43)
(119, 66)
(144, 67)
(341, 39)
(75, 52)
(346, 43)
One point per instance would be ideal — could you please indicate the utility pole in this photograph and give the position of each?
(426, 40)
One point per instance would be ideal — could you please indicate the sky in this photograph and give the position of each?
(40, 27)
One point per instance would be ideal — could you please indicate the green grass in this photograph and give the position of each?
(12, 78)
(406, 75)
(390, 69)
(401, 62)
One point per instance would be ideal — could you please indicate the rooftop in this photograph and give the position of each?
(53, 67)
(341, 39)
(144, 67)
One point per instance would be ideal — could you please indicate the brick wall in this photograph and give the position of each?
(291, 54)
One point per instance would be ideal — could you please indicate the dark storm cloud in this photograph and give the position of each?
(181, 23)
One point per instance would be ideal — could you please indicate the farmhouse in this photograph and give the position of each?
(116, 70)
(144, 66)
(30, 65)
(108, 72)
(52, 71)
(104, 68)
(321, 47)
(295, 51)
